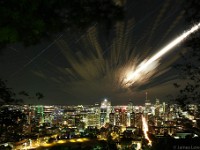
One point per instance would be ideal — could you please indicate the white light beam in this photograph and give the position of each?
(160, 53)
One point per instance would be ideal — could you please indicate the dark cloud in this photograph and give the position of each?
(85, 68)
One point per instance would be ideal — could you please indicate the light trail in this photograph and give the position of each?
(145, 129)
(38, 55)
(131, 78)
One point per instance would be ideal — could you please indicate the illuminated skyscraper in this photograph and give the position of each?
(121, 116)
(147, 104)
(138, 120)
(132, 119)
(157, 108)
(39, 114)
(129, 113)
(130, 107)
(112, 118)
(105, 110)
(93, 119)
(48, 114)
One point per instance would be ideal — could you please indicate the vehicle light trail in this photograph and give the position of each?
(145, 129)
(131, 78)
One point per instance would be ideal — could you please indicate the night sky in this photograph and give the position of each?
(84, 68)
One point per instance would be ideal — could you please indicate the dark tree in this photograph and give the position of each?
(39, 95)
(11, 120)
(11, 124)
(23, 93)
(7, 96)
(190, 68)
(28, 21)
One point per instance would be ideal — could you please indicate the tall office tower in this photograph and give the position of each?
(167, 112)
(48, 114)
(132, 119)
(157, 108)
(39, 115)
(112, 118)
(117, 116)
(163, 111)
(138, 120)
(77, 120)
(83, 120)
(129, 113)
(57, 115)
(130, 107)
(147, 104)
(121, 116)
(69, 116)
(27, 111)
(105, 110)
(164, 107)
(124, 118)
(128, 119)
(96, 110)
(93, 119)
(71, 120)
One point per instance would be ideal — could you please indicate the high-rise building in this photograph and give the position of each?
(132, 119)
(147, 104)
(39, 114)
(48, 114)
(138, 120)
(121, 117)
(129, 114)
(157, 108)
(112, 118)
(130, 107)
(93, 119)
(105, 110)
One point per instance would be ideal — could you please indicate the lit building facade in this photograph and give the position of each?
(105, 110)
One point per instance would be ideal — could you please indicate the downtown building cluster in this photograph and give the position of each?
(42, 123)
(161, 117)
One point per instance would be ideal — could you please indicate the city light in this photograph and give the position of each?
(145, 129)
(153, 61)
(109, 120)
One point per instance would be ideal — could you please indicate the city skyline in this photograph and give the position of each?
(54, 125)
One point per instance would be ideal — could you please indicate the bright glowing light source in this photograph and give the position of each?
(131, 78)
(47, 144)
(85, 139)
(145, 130)
(79, 140)
(72, 140)
(139, 146)
(61, 141)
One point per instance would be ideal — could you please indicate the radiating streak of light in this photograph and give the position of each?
(14, 49)
(95, 43)
(145, 130)
(38, 55)
(159, 17)
(172, 26)
(162, 22)
(131, 78)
